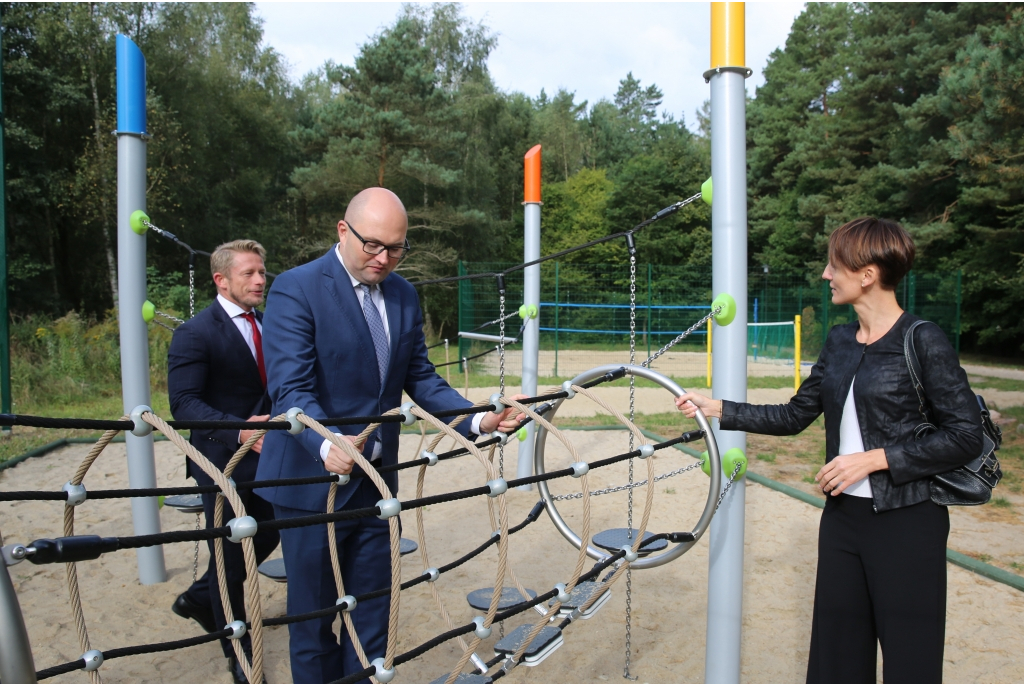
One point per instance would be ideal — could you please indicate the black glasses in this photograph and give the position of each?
(375, 248)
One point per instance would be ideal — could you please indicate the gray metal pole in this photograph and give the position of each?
(729, 353)
(131, 293)
(531, 335)
(16, 663)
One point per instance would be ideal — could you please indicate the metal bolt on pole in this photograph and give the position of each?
(729, 354)
(131, 293)
(531, 299)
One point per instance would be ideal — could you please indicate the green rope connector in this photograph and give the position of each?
(528, 311)
(729, 460)
(706, 189)
(148, 311)
(728, 312)
(138, 221)
(521, 434)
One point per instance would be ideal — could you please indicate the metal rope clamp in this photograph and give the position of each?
(481, 631)
(141, 429)
(407, 420)
(389, 508)
(93, 660)
(646, 451)
(501, 437)
(349, 601)
(292, 417)
(237, 629)
(430, 457)
(496, 402)
(563, 596)
(630, 556)
(580, 469)
(567, 389)
(76, 494)
(383, 675)
(241, 528)
(432, 574)
(341, 478)
(498, 486)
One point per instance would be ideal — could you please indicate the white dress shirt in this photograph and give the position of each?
(237, 316)
(377, 297)
(851, 441)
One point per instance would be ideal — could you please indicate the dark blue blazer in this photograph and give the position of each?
(212, 376)
(320, 358)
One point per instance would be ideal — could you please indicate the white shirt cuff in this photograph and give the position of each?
(474, 426)
(325, 449)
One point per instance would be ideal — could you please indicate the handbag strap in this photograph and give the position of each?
(914, 366)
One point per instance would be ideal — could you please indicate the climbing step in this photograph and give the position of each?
(547, 641)
(464, 678)
(187, 504)
(510, 596)
(273, 569)
(614, 538)
(579, 596)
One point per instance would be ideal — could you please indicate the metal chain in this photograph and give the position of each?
(628, 486)
(728, 485)
(681, 336)
(195, 555)
(169, 317)
(500, 319)
(632, 413)
(501, 374)
(191, 293)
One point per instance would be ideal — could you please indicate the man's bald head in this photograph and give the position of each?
(374, 204)
(374, 216)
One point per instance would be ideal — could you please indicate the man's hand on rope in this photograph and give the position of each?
(339, 462)
(691, 402)
(245, 435)
(505, 421)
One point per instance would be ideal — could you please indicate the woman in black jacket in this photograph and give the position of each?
(882, 541)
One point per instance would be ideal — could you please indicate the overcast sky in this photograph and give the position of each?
(586, 47)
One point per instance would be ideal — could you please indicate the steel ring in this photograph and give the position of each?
(709, 440)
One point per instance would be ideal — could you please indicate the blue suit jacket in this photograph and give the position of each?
(320, 357)
(212, 376)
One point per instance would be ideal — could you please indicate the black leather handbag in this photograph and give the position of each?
(972, 483)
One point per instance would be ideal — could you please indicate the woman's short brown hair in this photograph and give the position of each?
(868, 240)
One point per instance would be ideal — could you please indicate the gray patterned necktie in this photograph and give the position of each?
(380, 338)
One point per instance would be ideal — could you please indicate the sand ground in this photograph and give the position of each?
(669, 602)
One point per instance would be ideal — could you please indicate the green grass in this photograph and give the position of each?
(480, 380)
(1002, 502)
(986, 383)
(808, 479)
(770, 458)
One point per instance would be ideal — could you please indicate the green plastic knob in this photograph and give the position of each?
(729, 461)
(148, 311)
(706, 189)
(728, 312)
(528, 311)
(731, 458)
(136, 221)
(521, 434)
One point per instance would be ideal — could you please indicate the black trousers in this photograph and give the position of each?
(881, 579)
(206, 589)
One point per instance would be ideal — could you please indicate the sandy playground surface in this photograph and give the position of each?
(669, 603)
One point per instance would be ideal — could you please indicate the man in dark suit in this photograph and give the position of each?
(215, 372)
(344, 337)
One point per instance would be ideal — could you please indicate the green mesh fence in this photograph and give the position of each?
(585, 314)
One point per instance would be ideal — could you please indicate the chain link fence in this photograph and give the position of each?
(584, 315)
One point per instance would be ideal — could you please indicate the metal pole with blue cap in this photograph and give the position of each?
(131, 294)
(729, 353)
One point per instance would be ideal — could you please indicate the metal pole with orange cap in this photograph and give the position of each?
(729, 353)
(530, 311)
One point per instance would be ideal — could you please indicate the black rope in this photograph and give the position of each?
(671, 209)
(134, 651)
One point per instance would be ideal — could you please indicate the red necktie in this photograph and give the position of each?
(257, 341)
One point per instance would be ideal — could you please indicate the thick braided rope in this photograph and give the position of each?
(346, 616)
(254, 670)
(584, 535)
(69, 529)
(502, 540)
(494, 526)
(421, 533)
(396, 571)
(218, 547)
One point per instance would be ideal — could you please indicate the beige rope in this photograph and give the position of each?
(69, 529)
(254, 670)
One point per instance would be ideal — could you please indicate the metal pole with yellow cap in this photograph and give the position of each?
(729, 353)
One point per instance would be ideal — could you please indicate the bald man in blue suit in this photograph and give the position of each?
(343, 336)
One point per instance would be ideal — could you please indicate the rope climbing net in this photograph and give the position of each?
(239, 529)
